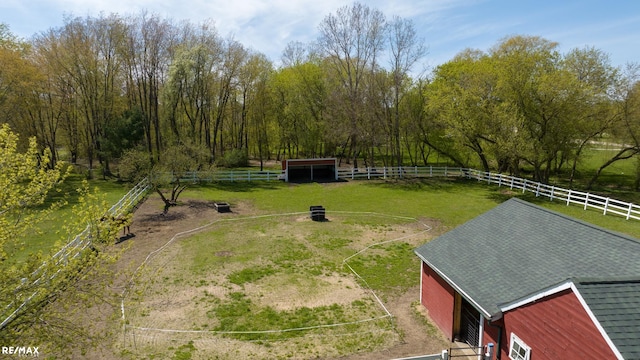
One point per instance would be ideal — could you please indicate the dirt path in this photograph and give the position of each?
(416, 340)
(152, 230)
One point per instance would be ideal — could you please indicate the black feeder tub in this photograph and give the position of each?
(222, 207)
(317, 213)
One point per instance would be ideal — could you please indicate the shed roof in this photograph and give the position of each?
(518, 248)
(616, 306)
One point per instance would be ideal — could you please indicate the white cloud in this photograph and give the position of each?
(447, 26)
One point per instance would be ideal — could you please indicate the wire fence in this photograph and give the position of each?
(127, 325)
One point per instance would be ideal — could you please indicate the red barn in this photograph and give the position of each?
(535, 283)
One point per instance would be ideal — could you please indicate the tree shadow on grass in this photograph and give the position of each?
(502, 194)
(243, 186)
(452, 184)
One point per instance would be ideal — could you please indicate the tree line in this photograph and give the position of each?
(137, 88)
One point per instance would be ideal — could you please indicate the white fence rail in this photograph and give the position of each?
(399, 172)
(69, 251)
(231, 175)
(587, 200)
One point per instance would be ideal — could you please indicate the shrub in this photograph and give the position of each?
(234, 158)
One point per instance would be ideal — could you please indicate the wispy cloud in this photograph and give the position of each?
(447, 26)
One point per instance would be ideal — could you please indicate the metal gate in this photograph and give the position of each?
(469, 324)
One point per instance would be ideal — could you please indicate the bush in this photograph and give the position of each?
(234, 158)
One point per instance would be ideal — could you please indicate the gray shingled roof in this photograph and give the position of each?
(616, 305)
(517, 249)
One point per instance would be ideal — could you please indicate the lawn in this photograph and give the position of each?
(48, 232)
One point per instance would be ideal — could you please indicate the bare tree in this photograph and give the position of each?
(405, 50)
(351, 41)
(147, 55)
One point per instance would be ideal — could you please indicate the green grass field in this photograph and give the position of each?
(451, 201)
(48, 232)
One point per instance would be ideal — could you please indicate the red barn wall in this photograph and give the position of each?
(438, 298)
(491, 335)
(556, 327)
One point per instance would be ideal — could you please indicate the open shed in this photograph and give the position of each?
(307, 170)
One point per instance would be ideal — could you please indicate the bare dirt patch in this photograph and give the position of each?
(181, 303)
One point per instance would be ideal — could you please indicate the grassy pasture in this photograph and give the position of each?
(275, 286)
(233, 283)
(48, 232)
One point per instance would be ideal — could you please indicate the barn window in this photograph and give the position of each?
(519, 350)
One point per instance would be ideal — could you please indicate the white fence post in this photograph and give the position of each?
(586, 201)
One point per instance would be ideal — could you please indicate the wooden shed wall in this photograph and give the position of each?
(556, 327)
(438, 298)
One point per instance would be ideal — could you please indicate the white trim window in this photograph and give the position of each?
(518, 350)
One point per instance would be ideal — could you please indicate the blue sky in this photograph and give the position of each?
(447, 26)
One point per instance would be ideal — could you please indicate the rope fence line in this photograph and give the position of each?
(177, 236)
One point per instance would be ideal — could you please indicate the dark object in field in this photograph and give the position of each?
(222, 207)
(317, 213)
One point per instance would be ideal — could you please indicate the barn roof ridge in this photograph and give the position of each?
(517, 249)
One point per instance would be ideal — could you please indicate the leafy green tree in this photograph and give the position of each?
(125, 133)
(19, 79)
(46, 299)
(42, 297)
(462, 95)
(595, 112)
(299, 98)
(627, 130)
(26, 181)
(167, 176)
(406, 49)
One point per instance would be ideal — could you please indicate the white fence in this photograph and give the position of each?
(69, 251)
(586, 200)
(137, 193)
(231, 175)
(343, 173)
(399, 172)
